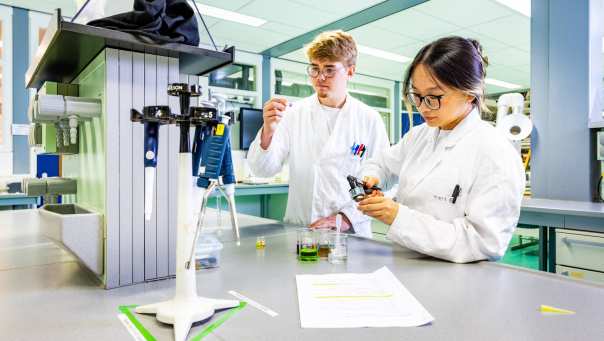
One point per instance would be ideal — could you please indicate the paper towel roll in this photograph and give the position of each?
(516, 127)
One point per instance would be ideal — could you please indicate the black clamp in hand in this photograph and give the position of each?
(358, 189)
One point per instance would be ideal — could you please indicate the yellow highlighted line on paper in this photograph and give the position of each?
(325, 284)
(353, 297)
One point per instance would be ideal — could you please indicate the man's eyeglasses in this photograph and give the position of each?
(431, 101)
(327, 72)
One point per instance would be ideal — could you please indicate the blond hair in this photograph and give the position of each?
(333, 46)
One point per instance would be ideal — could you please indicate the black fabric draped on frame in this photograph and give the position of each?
(156, 21)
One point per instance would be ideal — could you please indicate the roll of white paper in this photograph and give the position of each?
(516, 127)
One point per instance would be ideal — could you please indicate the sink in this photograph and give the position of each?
(76, 229)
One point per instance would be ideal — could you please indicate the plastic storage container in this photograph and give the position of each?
(207, 252)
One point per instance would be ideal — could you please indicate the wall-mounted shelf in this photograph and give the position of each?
(67, 48)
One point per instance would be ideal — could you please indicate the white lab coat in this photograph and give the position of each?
(319, 161)
(474, 156)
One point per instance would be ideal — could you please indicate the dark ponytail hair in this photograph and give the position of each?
(457, 63)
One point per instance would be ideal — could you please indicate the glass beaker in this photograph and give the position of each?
(338, 248)
(307, 245)
(323, 241)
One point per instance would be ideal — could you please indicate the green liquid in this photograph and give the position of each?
(309, 254)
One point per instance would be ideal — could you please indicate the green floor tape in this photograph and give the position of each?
(126, 310)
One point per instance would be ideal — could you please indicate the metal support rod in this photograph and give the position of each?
(234, 223)
(202, 212)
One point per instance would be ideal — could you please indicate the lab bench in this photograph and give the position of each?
(475, 295)
(571, 239)
(468, 301)
(18, 199)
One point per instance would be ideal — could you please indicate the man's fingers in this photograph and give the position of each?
(282, 101)
(273, 113)
(275, 105)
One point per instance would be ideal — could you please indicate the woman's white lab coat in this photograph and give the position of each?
(475, 156)
(319, 161)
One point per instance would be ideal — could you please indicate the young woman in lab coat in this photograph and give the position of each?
(323, 138)
(460, 181)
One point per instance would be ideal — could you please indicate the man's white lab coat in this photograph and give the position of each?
(320, 160)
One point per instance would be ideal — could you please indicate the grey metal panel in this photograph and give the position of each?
(584, 223)
(151, 226)
(138, 171)
(161, 181)
(541, 219)
(125, 169)
(539, 99)
(173, 140)
(596, 58)
(112, 203)
(565, 207)
(560, 56)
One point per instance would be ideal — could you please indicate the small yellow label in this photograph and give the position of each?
(220, 130)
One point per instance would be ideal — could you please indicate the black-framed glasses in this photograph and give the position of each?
(431, 101)
(315, 71)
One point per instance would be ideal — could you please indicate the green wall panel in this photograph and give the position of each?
(88, 167)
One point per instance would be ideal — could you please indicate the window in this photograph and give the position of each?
(2, 113)
(6, 137)
(292, 84)
(38, 23)
(373, 96)
(234, 76)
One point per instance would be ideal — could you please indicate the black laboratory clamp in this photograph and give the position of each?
(358, 189)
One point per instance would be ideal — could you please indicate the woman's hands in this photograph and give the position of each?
(379, 207)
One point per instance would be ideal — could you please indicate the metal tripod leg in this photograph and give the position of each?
(234, 222)
(202, 213)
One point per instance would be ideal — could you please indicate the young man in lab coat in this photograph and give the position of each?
(323, 138)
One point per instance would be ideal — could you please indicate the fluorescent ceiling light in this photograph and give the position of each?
(502, 84)
(382, 54)
(521, 6)
(229, 15)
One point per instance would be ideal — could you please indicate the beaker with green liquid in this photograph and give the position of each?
(307, 245)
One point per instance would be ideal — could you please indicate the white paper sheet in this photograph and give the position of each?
(348, 300)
